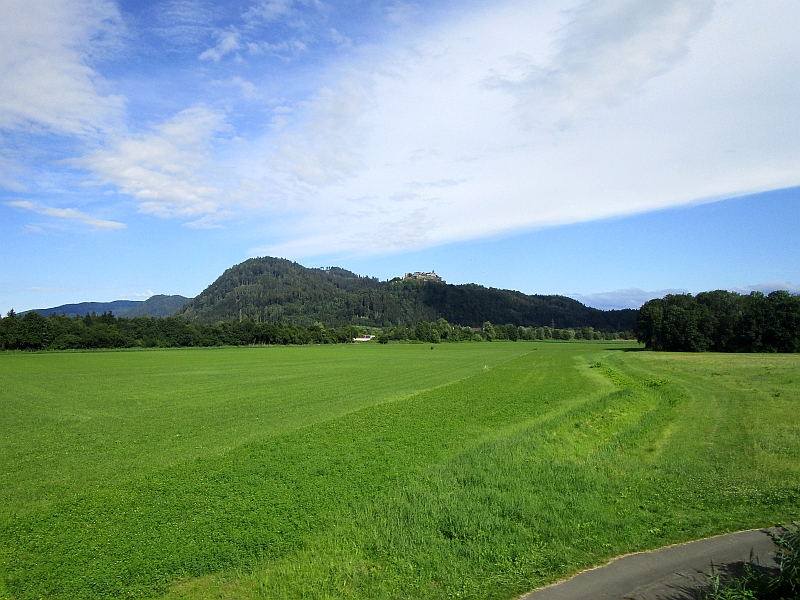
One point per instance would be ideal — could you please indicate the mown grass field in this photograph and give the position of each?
(466, 471)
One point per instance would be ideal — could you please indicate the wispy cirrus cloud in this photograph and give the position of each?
(400, 12)
(508, 116)
(69, 214)
(285, 49)
(607, 51)
(169, 170)
(548, 113)
(227, 42)
(248, 89)
(267, 11)
(324, 149)
(48, 83)
(146, 294)
(769, 286)
(634, 297)
(619, 299)
(185, 25)
(250, 33)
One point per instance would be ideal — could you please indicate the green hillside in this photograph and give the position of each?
(159, 305)
(273, 289)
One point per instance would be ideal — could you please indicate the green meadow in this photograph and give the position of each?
(473, 470)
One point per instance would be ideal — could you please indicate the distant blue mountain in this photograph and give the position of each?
(155, 306)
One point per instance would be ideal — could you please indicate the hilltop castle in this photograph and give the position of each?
(421, 276)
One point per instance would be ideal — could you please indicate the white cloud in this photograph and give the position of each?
(227, 42)
(342, 41)
(168, 170)
(618, 299)
(265, 21)
(609, 50)
(769, 286)
(184, 24)
(401, 12)
(634, 297)
(294, 13)
(249, 91)
(269, 10)
(286, 49)
(544, 113)
(210, 221)
(65, 213)
(22, 204)
(146, 294)
(323, 151)
(10, 169)
(47, 82)
(515, 116)
(247, 88)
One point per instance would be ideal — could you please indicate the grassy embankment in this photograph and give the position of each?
(391, 471)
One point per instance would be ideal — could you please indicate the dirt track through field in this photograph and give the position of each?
(671, 573)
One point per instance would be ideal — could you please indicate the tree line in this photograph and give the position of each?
(718, 321)
(58, 332)
(721, 321)
(442, 331)
(92, 331)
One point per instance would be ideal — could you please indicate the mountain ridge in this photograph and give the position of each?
(276, 290)
(269, 289)
(159, 305)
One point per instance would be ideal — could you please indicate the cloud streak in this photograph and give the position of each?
(508, 117)
(544, 114)
(609, 50)
(146, 294)
(635, 297)
(168, 170)
(69, 214)
(48, 83)
(619, 299)
(228, 41)
(183, 24)
(268, 11)
(769, 286)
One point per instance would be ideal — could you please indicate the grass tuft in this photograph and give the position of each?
(757, 583)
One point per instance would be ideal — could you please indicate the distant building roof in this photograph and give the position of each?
(423, 276)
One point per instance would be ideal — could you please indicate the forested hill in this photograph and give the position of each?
(276, 290)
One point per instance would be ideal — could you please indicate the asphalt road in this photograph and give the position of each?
(671, 573)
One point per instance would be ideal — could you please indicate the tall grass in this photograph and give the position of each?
(484, 485)
(634, 468)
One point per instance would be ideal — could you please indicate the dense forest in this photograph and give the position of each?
(472, 304)
(59, 332)
(721, 321)
(274, 290)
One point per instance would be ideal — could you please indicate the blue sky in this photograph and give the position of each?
(611, 150)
